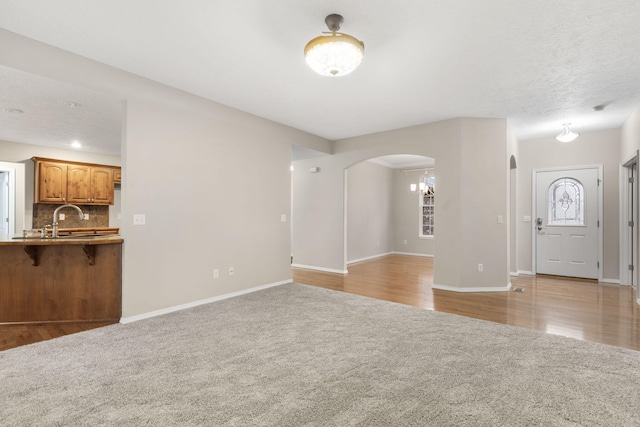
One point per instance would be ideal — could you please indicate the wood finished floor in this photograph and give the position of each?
(582, 309)
(16, 335)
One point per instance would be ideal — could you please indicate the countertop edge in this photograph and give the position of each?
(106, 240)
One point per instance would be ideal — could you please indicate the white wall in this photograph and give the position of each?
(22, 153)
(369, 211)
(212, 182)
(630, 136)
(591, 148)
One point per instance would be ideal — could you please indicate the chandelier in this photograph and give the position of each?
(426, 185)
(334, 54)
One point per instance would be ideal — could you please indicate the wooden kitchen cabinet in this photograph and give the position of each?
(89, 185)
(117, 175)
(51, 182)
(57, 181)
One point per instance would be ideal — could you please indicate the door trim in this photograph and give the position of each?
(534, 210)
(625, 244)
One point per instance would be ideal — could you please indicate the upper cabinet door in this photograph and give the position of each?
(51, 183)
(102, 185)
(78, 184)
(117, 175)
(59, 182)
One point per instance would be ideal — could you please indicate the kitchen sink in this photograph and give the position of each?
(84, 236)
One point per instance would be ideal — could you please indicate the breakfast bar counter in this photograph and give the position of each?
(69, 278)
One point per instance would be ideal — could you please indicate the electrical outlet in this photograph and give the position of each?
(500, 219)
(139, 219)
(216, 273)
(61, 217)
(480, 267)
(86, 216)
(283, 218)
(231, 271)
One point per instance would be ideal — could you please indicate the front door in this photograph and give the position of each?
(567, 222)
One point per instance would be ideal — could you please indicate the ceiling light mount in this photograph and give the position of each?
(567, 134)
(334, 22)
(334, 54)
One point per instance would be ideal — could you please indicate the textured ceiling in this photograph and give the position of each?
(537, 63)
(53, 113)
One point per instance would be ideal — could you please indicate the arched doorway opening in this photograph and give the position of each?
(389, 207)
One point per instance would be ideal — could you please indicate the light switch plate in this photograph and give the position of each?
(139, 219)
(283, 218)
(86, 216)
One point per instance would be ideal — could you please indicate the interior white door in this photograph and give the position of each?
(567, 222)
(4, 202)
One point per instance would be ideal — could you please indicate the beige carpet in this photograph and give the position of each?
(295, 355)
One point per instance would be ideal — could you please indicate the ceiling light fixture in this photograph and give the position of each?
(427, 183)
(335, 54)
(567, 135)
(76, 144)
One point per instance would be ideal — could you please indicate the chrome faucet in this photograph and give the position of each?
(54, 225)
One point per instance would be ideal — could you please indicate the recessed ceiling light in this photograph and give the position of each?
(76, 144)
(12, 111)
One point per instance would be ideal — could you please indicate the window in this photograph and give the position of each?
(427, 206)
(565, 202)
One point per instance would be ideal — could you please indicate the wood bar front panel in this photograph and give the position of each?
(63, 286)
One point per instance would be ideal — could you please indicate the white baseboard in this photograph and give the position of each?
(482, 289)
(168, 310)
(312, 267)
(614, 281)
(368, 258)
(412, 254)
(515, 274)
(528, 273)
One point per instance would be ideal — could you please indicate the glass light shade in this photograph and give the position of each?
(413, 188)
(567, 135)
(422, 186)
(334, 55)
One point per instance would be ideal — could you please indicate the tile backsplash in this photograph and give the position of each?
(43, 215)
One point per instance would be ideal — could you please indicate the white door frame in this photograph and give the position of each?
(16, 195)
(534, 209)
(625, 243)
